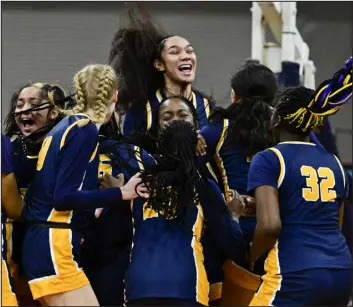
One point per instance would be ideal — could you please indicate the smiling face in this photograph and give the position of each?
(30, 121)
(178, 60)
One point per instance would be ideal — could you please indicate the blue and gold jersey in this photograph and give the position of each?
(167, 257)
(67, 162)
(112, 230)
(232, 167)
(8, 296)
(119, 157)
(24, 166)
(229, 168)
(6, 168)
(145, 119)
(311, 184)
(24, 170)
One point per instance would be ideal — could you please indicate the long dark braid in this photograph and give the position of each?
(173, 182)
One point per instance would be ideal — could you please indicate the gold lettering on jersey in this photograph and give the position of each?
(315, 190)
(327, 184)
(104, 166)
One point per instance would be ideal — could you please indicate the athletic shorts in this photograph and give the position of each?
(50, 261)
(8, 297)
(314, 287)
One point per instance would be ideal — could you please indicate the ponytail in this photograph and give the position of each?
(304, 110)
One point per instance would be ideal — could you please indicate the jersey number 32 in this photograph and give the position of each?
(323, 190)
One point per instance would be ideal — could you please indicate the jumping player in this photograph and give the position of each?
(153, 66)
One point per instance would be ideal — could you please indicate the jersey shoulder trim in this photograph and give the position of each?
(80, 123)
(282, 165)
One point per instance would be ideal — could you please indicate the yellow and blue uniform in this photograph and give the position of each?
(167, 259)
(7, 293)
(57, 204)
(145, 119)
(229, 167)
(24, 170)
(310, 263)
(107, 245)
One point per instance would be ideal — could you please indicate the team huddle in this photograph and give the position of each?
(137, 189)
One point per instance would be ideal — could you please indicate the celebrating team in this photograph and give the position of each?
(147, 217)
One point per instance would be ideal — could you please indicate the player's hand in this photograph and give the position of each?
(236, 204)
(134, 188)
(108, 181)
(250, 205)
(201, 145)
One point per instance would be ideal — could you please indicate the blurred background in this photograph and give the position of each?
(50, 41)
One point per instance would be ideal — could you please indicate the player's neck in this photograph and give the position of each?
(172, 88)
(290, 137)
(91, 114)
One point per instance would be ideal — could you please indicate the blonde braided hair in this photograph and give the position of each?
(94, 86)
(103, 94)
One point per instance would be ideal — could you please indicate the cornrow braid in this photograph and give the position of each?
(303, 110)
(94, 86)
(80, 96)
(100, 106)
(80, 99)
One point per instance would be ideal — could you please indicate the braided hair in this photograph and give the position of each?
(303, 110)
(94, 86)
(174, 181)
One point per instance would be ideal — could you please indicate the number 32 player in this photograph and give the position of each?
(298, 188)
